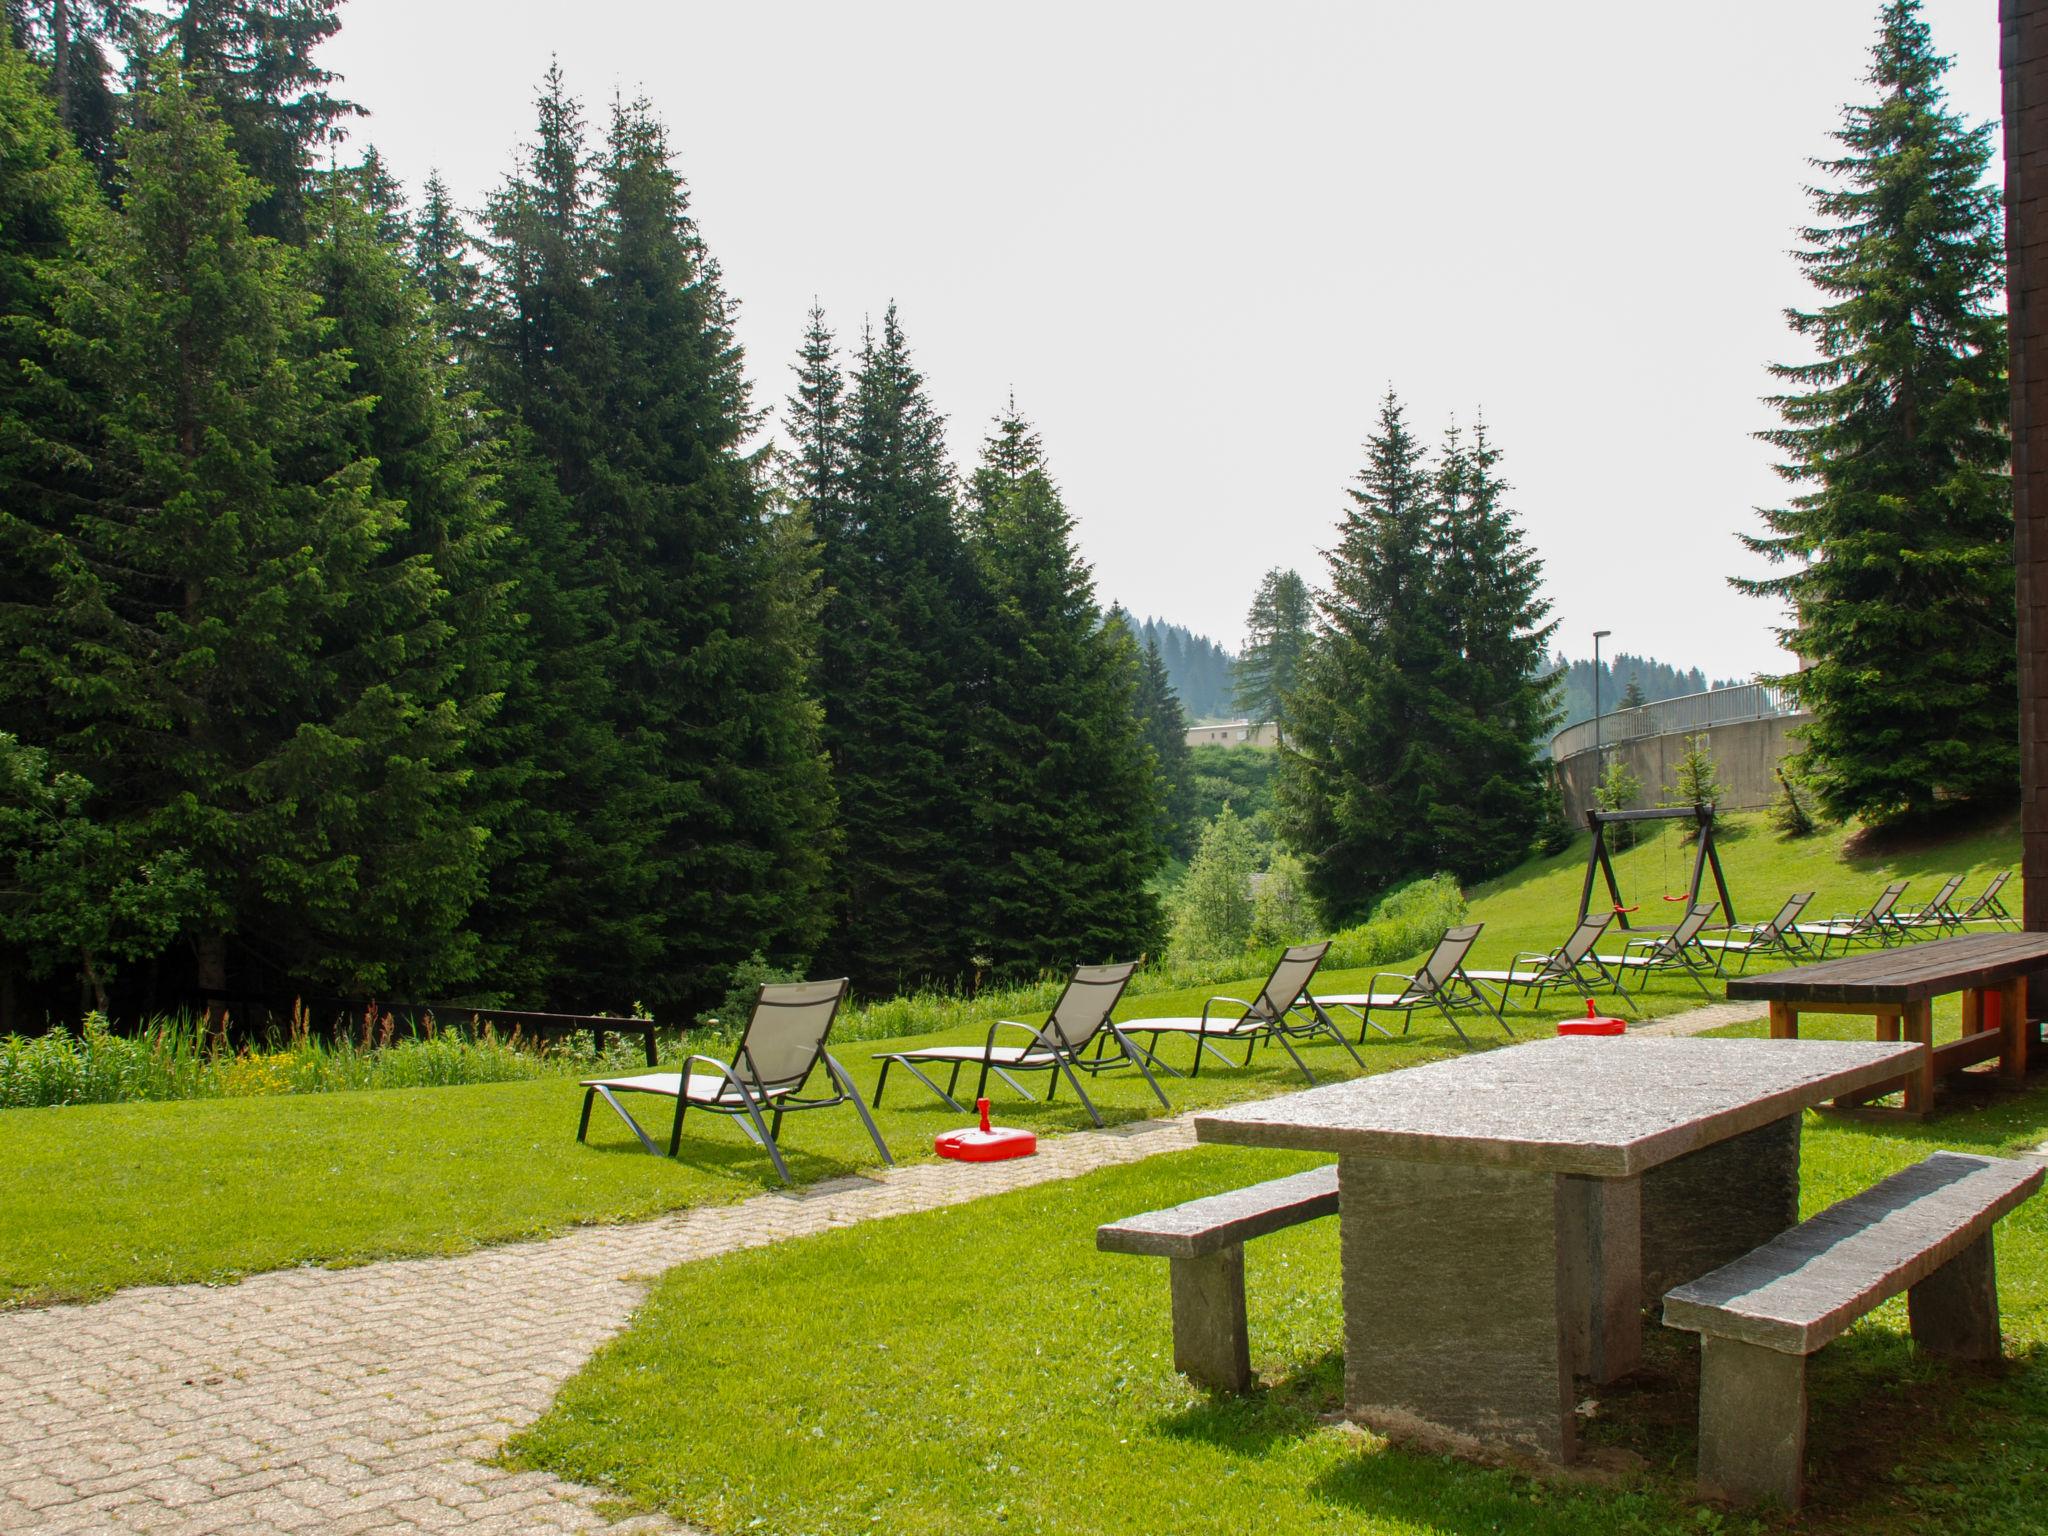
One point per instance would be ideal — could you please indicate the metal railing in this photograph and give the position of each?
(1687, 712)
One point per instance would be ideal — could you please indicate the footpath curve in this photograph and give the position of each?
(352, 1401)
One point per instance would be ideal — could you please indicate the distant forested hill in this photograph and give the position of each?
(1657, 679)
(1197, 666)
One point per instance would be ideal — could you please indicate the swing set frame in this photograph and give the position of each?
(1706, 857)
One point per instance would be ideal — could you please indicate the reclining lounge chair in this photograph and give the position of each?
(1776, 937)
(1871, 926)
(1441, 984)
(1078, 1020)
(1282, 1011)
(1571, 967)
(783, 1044)
(1678, 951)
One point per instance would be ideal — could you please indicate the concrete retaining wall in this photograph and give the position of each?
(1746, 753)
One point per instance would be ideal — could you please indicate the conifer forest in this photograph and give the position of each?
(407, 600)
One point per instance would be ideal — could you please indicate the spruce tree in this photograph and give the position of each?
(1356, 771)
(1633, 696)
(814, 467)
(897, 696)
(567, 903)
(202, 661)
(1278, 632)
(1165, 729)
(1063, 799)
(76, 42)
(434, 606)
(1489, 706)
(703, 665)
(1900, 544)
(255, 59)
(445, 269)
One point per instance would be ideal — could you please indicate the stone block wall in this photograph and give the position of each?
(1747, 753)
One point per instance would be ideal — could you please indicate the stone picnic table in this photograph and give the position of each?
(1504, 1217)
(1897, 987)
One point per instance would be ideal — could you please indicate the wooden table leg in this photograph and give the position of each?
(1784, 1021)
(1973, 1010)
(2012, 1020)
(1917, 1023)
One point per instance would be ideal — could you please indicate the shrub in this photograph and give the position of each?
(1281, 910)
(1790, 814)
(1618, 790)
(1212, 910)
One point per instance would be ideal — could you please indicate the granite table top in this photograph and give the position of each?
(1602, 1107)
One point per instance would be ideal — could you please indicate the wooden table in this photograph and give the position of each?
(1504, 1216)
(1898, 987)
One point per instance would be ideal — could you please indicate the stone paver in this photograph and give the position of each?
(1700, 1020)
(365, 1400)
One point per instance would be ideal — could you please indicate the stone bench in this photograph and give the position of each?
(1203, 1241)
(1925, 1231)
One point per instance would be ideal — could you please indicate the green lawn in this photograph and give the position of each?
(104, 1196)
(984, 1369)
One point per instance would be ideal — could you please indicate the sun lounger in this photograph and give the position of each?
(1571, 967)
(1675, 952)
(1872, 926)
(1283, 1012)
(1441, 984)
(1776, 937)
(1079, 1019)
(783, 1045)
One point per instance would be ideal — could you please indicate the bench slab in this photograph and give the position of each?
(1216, 1222)
(1807, 1285)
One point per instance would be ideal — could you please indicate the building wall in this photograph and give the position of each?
(1234, 733)
(1746, 753)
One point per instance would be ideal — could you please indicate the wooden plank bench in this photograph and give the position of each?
(1203, 1241)
(1925, 1231)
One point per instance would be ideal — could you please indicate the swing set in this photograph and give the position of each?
(1704, 859)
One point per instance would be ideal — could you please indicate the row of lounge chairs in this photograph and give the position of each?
(783, 1044)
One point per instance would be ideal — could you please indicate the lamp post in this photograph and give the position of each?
(1598, 636)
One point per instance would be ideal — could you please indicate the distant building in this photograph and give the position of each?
(1234, 733)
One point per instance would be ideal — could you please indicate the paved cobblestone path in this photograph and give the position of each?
(366, 1400)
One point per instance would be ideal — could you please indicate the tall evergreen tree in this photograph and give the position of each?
(1357, 764)
(437, 599)
(1165, 729)
(255, 59)
(50, 215)
(897, 696)
(1490, 704)
(78, 43)
(677, 513)
(567, 902)
(1278, 632)
(1063, 800)
(1900, 547)
(202, 660)
(814, 467)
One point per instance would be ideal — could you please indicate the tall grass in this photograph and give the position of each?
(178, 1058)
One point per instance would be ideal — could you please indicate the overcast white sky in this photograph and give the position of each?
(1199, 241)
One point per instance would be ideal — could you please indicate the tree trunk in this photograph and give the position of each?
(212, 956)
(60, 59)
